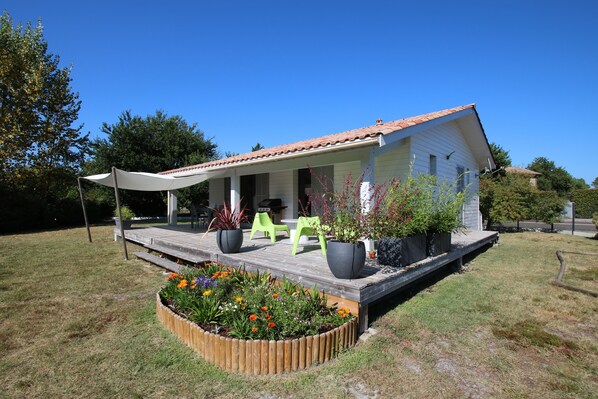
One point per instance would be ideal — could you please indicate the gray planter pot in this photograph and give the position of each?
(399, 252)
(438, 243)
(126, 223)
(345, 260)
(229, 241)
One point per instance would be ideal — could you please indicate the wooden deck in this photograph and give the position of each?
(309, 266)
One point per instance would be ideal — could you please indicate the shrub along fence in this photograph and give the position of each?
(586, 202)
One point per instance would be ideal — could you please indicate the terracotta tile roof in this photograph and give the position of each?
(521, 171)
(350, 136)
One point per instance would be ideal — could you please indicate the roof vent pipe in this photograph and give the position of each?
(378, 122)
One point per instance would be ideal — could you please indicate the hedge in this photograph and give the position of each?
(586, 202)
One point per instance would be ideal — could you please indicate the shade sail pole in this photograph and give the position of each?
(84, 211)
(122, 230)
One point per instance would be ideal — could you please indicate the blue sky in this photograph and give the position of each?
(283, 71)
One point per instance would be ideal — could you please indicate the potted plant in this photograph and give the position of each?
(229, 235)
(341, 217)
(445, 218)
(400, 220)
(126, 217)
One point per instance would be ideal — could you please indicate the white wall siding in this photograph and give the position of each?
(394, 163)
(283, 185)
(342, 170)
(442, 141)
(216, 192)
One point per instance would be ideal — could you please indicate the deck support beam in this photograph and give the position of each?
(172, 215)
(235, 191)
(368, 166)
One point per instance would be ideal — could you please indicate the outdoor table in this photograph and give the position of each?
(292, 223)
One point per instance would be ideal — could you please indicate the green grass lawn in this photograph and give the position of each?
(76, 320)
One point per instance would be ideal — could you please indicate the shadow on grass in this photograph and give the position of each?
(379, 309)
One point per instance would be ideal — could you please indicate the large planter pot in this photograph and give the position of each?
(229, 241)
(345, 260)
(414, 249)
(399, 252)
(125, 223)
(390, 251)
(438, 243)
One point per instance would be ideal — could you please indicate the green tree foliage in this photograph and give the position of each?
(257, 147)
(580, 184)
(546, 206)
(152, 144)
(553, 177)
(501, 156)
(586, 202)
(595, 183)
(41, 150)
(505, 198)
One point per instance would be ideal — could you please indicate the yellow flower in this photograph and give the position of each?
(207, 293)
(238, 299)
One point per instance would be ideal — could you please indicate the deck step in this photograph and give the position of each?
(156, 260)
(177, 253)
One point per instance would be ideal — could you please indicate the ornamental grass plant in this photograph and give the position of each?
(234, 303)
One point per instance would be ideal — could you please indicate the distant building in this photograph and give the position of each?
(524, 172)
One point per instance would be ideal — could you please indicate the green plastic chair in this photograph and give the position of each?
(262, 222)
(307, 226)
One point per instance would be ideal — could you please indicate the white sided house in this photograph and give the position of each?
(450, 144)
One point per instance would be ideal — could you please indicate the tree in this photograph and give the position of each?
(257, 147)
(152, 144)
(547, 206)
(595, 183)
(553, 177)
(580, 184)
(37, 105)
(505, 198)
(501, 156)
(40, 150)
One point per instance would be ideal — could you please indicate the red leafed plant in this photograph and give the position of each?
(227, 218)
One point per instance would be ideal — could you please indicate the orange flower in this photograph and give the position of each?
(274, 296)
(192, 286)
(253, 329)
(264, 308)
(268, 316)
(271, 324)
(182, 284)
(252, 317)
(172, 275)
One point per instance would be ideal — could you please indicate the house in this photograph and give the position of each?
(450, 144)
(532, 175)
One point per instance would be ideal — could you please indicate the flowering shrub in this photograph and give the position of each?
(249, 306)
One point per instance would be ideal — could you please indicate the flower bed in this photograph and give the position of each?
(252, 324)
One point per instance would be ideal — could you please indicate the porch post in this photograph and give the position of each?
(367, 186)
(172, 208)
(122, 230)
(235, 189)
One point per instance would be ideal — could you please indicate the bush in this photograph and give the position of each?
(586, 202)
(547, 206)
(243, 305)
(125, 213)
(595, 220)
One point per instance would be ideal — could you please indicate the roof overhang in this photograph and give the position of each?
(369, 141)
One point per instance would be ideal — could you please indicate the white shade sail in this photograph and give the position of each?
(141, 181)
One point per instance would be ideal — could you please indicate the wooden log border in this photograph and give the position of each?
(258, 357)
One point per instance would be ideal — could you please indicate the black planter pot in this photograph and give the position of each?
(126, 223)
(229, 241)
(390, 251)
(399, 252)
(345, 260)
(438, 243)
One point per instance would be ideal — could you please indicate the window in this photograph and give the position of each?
(432, 169)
